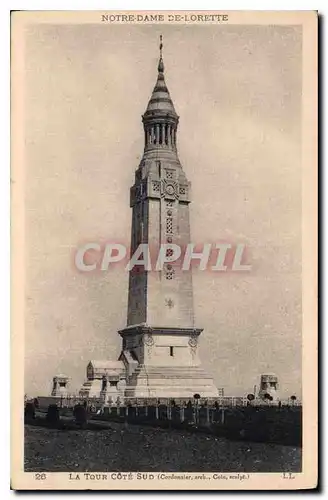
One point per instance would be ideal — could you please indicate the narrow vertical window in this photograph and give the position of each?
(171, 351)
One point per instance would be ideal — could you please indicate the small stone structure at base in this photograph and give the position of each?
(105, 380)
(60, 386)
(269, 387)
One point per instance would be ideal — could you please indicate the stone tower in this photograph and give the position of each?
(160, 342)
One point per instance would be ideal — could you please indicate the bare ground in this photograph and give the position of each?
(137, 448)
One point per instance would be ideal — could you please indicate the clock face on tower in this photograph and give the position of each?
(169, 189)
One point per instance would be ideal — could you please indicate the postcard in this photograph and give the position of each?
(164, 234)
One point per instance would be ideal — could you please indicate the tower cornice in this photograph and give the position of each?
(144, 329)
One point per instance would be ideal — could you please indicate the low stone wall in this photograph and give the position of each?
(253, 423)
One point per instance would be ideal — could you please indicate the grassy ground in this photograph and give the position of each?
(137, 448)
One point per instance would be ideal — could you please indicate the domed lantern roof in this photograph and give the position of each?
(160, 103)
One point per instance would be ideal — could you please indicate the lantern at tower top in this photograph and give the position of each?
(160, 119)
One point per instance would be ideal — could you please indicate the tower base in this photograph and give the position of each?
(163, 362)
(175, 383)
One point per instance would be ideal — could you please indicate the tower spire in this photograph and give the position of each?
(160, 62)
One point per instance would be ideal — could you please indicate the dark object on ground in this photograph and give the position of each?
(29, 411)
(53, 416)
(80, 415)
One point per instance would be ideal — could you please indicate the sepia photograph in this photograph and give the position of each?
(162, 186)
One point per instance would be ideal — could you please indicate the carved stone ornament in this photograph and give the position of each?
(148, 340)
(193, 341)
(170, 189)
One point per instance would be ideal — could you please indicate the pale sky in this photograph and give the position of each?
(237, 90)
